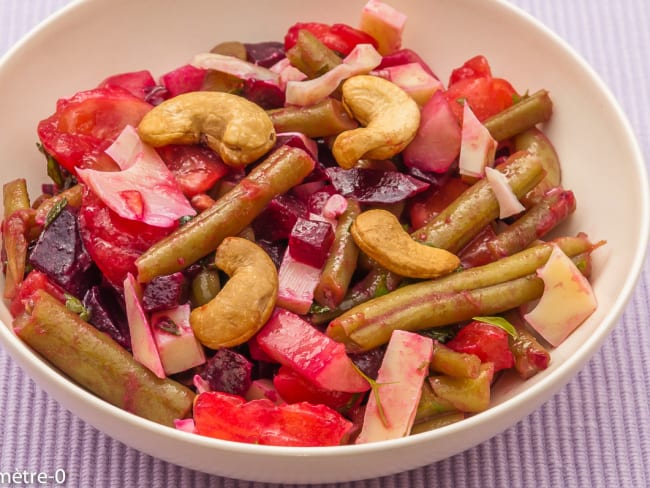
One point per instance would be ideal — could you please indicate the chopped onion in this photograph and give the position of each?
(234, 66)
(508, 203)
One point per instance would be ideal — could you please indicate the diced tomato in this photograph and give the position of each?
(84, 125)
(294, 388)
(429, 204)
(35, 280)
(486, 96)
(338, 37)
(488, 342)
(113, 242)
(196, 168)
(230, 417)
(476, 67)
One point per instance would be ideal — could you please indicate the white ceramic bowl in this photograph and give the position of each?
(602, 164)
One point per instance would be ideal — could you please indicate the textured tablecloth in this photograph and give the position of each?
(594, 432)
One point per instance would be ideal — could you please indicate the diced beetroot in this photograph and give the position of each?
(318, 199)
(295, 343)
(61, 254)
(139, 83)
(196, 168)
(296, 284)
(34, 281)
(310, 242)
(114, 242)
(267, 94)
(404, 56)
(264, 53)
(294, 388)
(299, 140)
(305, 190)
(107, 314)
(165, 292)
(279, 217)
(437, 142)
(186, 78)
(369, 361)
(488, 342)
(375, 186)
(228, 371)
(430, 203)
(275, 250)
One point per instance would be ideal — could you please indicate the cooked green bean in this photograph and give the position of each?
(526, 113)
(326, 118)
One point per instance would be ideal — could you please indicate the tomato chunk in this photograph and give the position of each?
(476, 67)
(84, 125)
(114, 242)
(196, 168)
(338, 37)
(488, 342)
(486, 96)
(230, 417)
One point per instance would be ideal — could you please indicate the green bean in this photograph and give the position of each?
(437, 422)
(15, 196)
(523, 115)
(431, 405)
(205, 286)
(477, 206)
(95, 361)
(311, 56)
(465, 394)
(484, 290)
(553, 208)
(341, 261)
(324, 119)
(283, 169)
(72, 197)
(535, 142)
(457, 364)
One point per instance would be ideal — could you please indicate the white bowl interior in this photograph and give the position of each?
(601, 164)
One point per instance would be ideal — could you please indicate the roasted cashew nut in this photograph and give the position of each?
(389, 115)
(380, 235)
(235, 128)
(245, 302)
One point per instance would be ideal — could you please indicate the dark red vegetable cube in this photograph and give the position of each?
(264, 53)
(310, 242)
(107, 314)
(375, 186)
(165, 292)
(228, 371)
(279, 217)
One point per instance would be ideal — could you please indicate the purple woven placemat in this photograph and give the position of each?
(594, 433)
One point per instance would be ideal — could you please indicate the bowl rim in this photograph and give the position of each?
(545, 388)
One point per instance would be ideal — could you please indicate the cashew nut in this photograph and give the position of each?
(380, 235)
(245, 302)
(389, 115)
(237, 129)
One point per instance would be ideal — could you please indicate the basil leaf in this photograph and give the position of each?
(498, 322)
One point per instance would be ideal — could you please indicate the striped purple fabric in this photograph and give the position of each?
(594, 433)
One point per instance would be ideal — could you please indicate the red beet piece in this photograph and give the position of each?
(165, 292)
(139, 83)
(62, 256)
(279, 217)
(228, 371)
(264, 53)
(375, 186)
(107, 314)
(184, 79)
(318, 199)
(310, 242)
(265, 94)
(404, 56)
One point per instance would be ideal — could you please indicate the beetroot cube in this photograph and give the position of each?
(310, 242)
(165, 292)
(279, 217)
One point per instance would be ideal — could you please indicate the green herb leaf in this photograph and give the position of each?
(317, 308)
(169, 326)
(440, 334)
(498, 322)
(55, 211)
(73, 304)
(381, 289)
(184, 220)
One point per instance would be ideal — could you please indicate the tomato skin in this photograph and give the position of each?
(338, 37)
(476, 67)
(196, 168)
(488, 342)
(84, 125)
(486, 96)
(113, 242)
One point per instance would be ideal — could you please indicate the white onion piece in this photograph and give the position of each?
(509, 205)
(234, 66)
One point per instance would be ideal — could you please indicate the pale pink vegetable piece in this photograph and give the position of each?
(361, 60)
(287, 72)
(391, 407)
(296, 284)
(567, 301)
(413, 79)
(186, 425)
(200, 384)
(384, 23)
(335, 206)
(235, 66)
(144, 189)
(263, 388)
(178, 348)
(477, 147)
(437, 142)
(509, 205)
(295, 343)
(143, 344)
